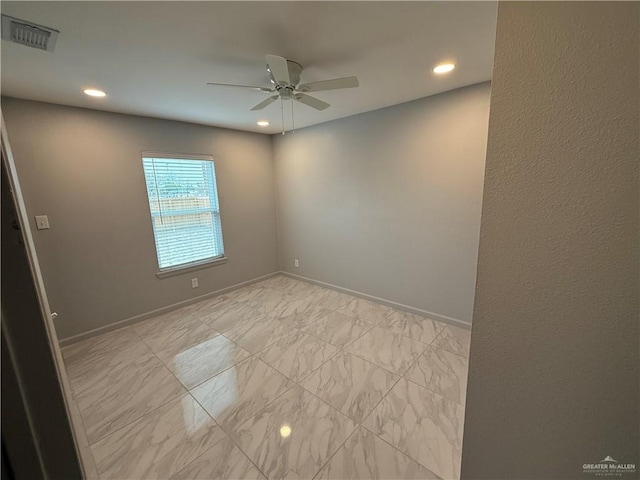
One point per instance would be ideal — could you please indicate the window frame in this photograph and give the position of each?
(190, 266)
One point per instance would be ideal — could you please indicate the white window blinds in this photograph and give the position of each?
(183, 200)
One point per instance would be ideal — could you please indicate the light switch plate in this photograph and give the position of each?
(42, 222)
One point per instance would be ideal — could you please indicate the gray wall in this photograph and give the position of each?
(388, 202)
(553, 379)
(83, 169)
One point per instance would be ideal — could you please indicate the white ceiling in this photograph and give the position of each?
(154, 58)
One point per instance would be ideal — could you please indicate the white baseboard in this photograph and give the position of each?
(435, 316)
(144, 316)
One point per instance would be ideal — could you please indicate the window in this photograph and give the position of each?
(183, 200)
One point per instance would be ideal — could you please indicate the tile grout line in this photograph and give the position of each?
(255, 414)
(385, 368)
(431, 346)
(287, 376)
(226, 434)
(153, 409)
(448, 400)
(324, 401)
(188, 391)
(403, 377)
(251, 355)
(181, 395)
(294, 383)
(361, 424)
(337, 450)
(371, 327)
(397, 449)
(84, 429)
(91, 445)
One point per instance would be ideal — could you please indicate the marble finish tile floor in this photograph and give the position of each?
(279, 379)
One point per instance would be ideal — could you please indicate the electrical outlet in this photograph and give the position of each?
(296, 263)
(194, 283)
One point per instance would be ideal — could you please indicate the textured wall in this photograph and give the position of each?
(83, 169)
(553, 380)
(387, 203)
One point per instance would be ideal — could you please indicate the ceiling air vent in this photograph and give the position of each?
(29, 34)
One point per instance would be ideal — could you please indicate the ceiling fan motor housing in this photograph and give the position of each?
(294, 73)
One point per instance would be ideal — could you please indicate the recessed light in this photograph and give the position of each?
(285, 431)
(263, 123)
(92, 92)
(443, 68)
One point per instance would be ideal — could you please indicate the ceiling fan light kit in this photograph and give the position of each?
(285, 77)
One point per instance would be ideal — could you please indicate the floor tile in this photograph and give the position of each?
(387, 350)
(266, 296)
(302, 289)
(328, 298)
(364, 456)
(227, 317)
(223, 461)
(106, 354)
(301, 307)
(90, 353)
(294, 436)
(245, 293)
(413, 326)
(205, 307)
(181, 336)
(85, 377)
(338, 329)
(442, 372)
(203, 360)
(238, 393)
(82, 441)
(303, 317)
(256, 334)
(298, 354)
(422, 424)
(281, 374)
(159, 444)
(121, 395)
(277, 303)
(367, 311)
(454, 339)
(163, 323)
(350, 384)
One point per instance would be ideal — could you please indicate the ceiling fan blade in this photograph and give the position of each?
(262, 89)
(266, 102)
(279, 69)
(311, 101)
(334, 84)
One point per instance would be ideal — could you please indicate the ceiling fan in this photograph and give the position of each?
(285, 78)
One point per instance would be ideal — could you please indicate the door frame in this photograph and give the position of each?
(86, 464)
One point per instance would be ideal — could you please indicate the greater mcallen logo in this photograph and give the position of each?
(609, 467)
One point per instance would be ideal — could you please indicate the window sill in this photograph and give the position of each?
(170, 272)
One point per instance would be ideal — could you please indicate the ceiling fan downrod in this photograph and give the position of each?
(282, 112)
